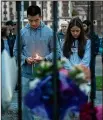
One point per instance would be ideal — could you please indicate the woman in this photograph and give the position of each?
(77, 48)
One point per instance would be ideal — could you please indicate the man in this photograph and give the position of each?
(37, 45)
(94, 48)
(62, 32)
(92, 36)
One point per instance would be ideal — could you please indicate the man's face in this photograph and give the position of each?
(64, 27)
(10, 27)
(34, 21)
(85, 27)
(8, 31)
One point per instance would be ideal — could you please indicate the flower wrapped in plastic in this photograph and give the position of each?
(9, 79)
(40, 97)
(90, 112)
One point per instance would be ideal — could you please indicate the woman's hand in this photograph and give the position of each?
(86, 71)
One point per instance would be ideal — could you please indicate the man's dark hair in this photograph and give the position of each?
(87, 22)
(33, 10)
(10, 23)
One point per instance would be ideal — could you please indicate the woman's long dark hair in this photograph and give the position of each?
(69, 39)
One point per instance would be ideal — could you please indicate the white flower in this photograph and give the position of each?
(76, 67)
(80, 76)
(48, 63)
(85, 88)
(42, 64)
(73, 69)
(34, 83)
(64, 59)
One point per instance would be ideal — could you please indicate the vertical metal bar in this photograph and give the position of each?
(42, 9)
(18, 6)
(55, 72)
(22, 13)
(1, 11)
(88, 10)
(92, 66)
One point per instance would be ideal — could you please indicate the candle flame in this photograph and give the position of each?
(37, 56)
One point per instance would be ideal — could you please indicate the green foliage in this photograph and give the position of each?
(77, 75)
(75, 12)
(99, 82)
(45, 68)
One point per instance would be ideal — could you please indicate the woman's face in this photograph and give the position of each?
(75, 31)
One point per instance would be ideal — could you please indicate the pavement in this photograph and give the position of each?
(99, 66)
(11, 113)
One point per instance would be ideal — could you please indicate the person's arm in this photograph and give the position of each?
(15, 51)
(87, 55)
(101, 47)
(67, 64)
(58, 50)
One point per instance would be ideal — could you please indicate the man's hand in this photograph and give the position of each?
(38, 58)
(29, 60)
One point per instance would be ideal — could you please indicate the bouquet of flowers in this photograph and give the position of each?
(88, 112)
(40, 96)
